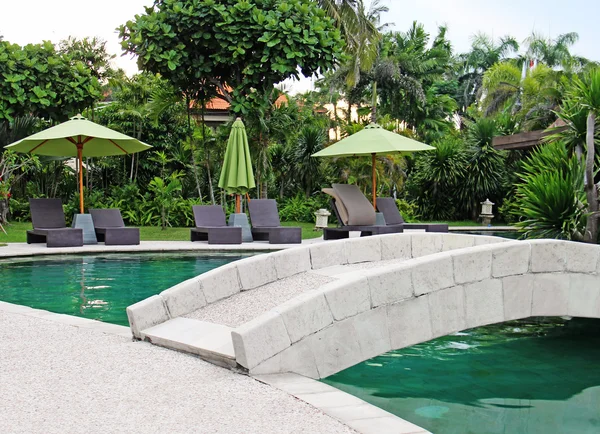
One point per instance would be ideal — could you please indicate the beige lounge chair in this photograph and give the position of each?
(354, 213)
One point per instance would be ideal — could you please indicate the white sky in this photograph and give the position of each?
(31, 21)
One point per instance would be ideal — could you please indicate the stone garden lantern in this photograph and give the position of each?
(321, 217)
(486, 212)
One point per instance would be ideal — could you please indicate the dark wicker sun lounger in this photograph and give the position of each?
(48, 219)
(354, 213)
(110, 228)
(266, 224)
(387, 206)
(211, 226)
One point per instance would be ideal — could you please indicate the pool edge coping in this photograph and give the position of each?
(355, 413)
(70, 320)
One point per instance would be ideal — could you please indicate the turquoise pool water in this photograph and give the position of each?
(511, 378)
(101, 286)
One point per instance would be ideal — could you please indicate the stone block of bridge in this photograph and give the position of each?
(457, 241)
(184, 298)
(371, 331)
(472, 265)
(409, 322)
(305, 315)
(584, 296)
(364, 249)
(298, 358)
(484, 303)
(447, 311)
(432, 273)
(328, 254)
(511, 259)
(582, 257)
(426, 244)
(517, 293)
(547, 256)
(291, 261)
(396, 246)
(147, 313)
(335, 348)
(220, 283)
(390, 286)
(550, 294)
(256, 271)
(347, 298)
(260, 339)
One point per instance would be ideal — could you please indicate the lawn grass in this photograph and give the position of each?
(16, 232)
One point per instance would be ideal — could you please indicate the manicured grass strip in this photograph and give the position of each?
(16, 232)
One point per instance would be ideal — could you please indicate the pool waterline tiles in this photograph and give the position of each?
(100, 286)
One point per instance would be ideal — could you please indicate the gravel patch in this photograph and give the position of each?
(62, 379)
(244, 306)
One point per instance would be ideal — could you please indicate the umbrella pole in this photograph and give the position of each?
(237, 204)
(80, 158)
(374, 181)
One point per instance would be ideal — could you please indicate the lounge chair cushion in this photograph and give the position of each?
(209, 216)
(342, 211)
(360, 210)
(263, 213)
(47, 213)
(107, 218)
(387, 206)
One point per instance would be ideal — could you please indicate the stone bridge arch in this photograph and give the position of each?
(366, 314)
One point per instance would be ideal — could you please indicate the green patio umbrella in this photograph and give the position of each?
(79, 138)
(373, 140)
(237, 176)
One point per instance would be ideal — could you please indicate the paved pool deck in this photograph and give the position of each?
(58, 377)
(24, 249)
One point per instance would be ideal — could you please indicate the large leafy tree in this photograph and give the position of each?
(38, 80)
(241, 48)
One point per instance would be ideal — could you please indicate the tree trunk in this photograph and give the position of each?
(591, 191)
(3, 211)
(207, 157)
(192, 147)
(374, 104)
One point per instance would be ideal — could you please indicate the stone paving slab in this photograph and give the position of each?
(348, 409)
(57, 378)
(210, 341)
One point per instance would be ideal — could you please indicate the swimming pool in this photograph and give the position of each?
(524, 377)
(100, 286)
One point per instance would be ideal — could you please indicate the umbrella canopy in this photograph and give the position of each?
(373, 140)
(79, 137)
(237, 176)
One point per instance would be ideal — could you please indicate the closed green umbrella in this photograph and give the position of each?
(237, 176)
(373, 140)
(79, 138)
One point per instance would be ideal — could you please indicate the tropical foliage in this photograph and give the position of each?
(195, 55)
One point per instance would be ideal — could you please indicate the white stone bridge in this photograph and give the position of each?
(316, 310)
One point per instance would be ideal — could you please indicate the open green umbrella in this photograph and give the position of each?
(79, 138)
(373, 140)
(237, 176)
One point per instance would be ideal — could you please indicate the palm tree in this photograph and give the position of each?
(485, 52)
(361, 28)
(407, 68)
(553, 52)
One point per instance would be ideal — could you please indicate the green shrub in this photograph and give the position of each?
(408, 210)
(302, 209)
(550, 197)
